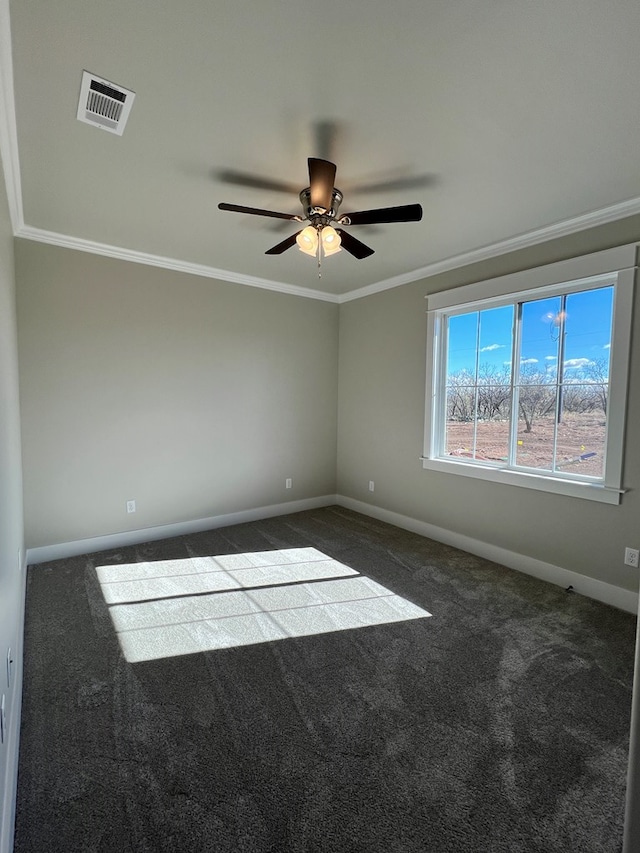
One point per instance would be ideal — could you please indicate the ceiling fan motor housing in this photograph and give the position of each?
(318, 215)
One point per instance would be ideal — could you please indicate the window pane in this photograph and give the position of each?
(460, 425)
(588, 324)
(494, 424)
(495, 345)
(462, 346)
(479, 383)
(540, 333)
(536, 425)
(581, 432)
(586, 359)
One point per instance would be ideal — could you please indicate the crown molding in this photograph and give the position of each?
(621, 210)
(605, 215)
(8, 131)
(67, 242)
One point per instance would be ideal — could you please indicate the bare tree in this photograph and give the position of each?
(536, 394)
(460, 396)
(486, 398)
(494, 392)
(597, 373)
(578, 398)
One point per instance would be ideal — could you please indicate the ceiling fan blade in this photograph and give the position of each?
(403, 213)
(242, 179)
(239, 208)
(355, 247)
(393, 184)
(325, 134)
(322, 175)
(282, 247)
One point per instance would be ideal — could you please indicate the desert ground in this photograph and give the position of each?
(579, 443)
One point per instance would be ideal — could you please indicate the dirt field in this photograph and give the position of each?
(580, 442)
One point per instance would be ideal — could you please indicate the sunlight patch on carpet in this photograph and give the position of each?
(178, 607)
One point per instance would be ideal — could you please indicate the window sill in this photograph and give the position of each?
(572, 488)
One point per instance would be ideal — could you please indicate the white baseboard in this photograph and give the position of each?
(182, 528)
(8, 806)
(623, 599)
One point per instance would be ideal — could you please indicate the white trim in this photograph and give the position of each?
(607, 593)
(612, 213)
(182, 528)
(599, 590)
(570, 271)
(8, 806)
(53, 238)
(527, 479)
(619, 373)
(8, 131)
(506, 294)
(67, 242)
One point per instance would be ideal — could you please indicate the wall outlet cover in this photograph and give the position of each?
(631, 557)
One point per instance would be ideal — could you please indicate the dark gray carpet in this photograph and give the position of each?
(499, 724)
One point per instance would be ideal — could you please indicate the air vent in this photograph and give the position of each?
(103, 104)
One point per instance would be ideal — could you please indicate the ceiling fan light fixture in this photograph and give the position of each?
(307, 240)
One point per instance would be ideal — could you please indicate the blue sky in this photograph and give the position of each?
(587, 334)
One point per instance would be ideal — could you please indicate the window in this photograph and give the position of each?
(527, 376)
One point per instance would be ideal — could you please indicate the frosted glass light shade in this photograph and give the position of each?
(330, 241)
(307, 240)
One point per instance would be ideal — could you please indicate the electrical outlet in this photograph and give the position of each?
(631, 557)
(371, 485)
(288, 483)
(131, 506)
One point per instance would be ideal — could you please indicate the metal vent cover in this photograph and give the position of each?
(104, 104)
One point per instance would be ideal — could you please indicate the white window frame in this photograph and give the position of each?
(613, 266)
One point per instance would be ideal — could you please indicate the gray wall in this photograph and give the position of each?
(11, 536)
(381, 422)
(192, 396)
(198, 398)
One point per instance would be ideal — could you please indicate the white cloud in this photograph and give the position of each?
(492, 347)
(607, 346)
(551, 358)
(528, 361)
(577, 363)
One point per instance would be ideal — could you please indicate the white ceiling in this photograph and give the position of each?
(503, 117)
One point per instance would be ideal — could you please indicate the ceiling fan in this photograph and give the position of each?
(320, 202)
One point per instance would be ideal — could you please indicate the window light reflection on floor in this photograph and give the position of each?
(178, 607)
